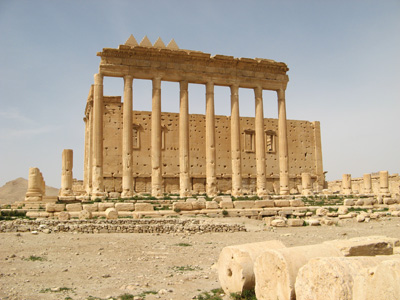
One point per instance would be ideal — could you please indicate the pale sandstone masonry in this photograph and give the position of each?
(380, 184)
(36, 186)
(349, 278)
(211, 154)
(235, 265)
(276, 270)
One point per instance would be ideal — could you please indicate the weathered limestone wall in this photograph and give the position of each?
(368, 184)
(303, 150)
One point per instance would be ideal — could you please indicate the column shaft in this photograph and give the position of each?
(156, 176)
(260, 143)
(66, 173)
(211, 178)
(235, 143)
(127, 140)
(97, 171)
(184, 176)
(283, 144)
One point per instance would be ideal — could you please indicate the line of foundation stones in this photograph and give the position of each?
(117, 226)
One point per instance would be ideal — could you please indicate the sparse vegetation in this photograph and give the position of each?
(56, 290)
(183, 244)
(215, 294)
(186, 268)
(35, 258)
(245, 295)
(12, 214)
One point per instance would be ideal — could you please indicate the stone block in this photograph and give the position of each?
(278, 223)
(111, 213)
(388, 201)
(342, 210)
(235, 265)
(263, 203)
(295, 222)
(243, 204)
(226, 204)
(321, 212)
(359, 202)
(282, 203)
(368, 201)
(85, 214)
(361, 278)
(73, 207)
(364, 246)
(212, 205)
(198, 205)
(55, 207)
(64, 216)
(144, 207)
(296, 203)
(313, 222)
(348, 202)
(102, 206)
(124, 206)
(114, 195)
(91, 207)
(182, 206)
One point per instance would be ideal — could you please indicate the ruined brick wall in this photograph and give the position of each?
(301, 137)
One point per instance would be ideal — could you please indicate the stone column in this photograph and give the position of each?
(260, 143)
(306, 184)
(184, 176)
(211, 177)
(346, 184)
(283, 144)
(156, 175)
(86, 156)
(66, 173)
(235, 143)
(367, 183)
(127, 139)
(97, 171)
(319, 170)
(35, 186)
(384, 183)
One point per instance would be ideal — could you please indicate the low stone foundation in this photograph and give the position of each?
(118, 226)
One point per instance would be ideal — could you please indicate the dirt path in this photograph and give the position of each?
(175, 266)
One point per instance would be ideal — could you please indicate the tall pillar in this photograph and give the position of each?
(127, 139)
(346, 184)
(156, 176)
(319, 169)
(260, 143)
(184, 176)
(66, 173)
(283, 144)
(384, 183)
(235, 143)
(211, 177)
(367, 183)
(86, 156)
(97, 171)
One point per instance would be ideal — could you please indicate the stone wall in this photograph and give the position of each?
(303, 150)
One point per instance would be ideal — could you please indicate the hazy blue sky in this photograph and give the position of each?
(343, 56)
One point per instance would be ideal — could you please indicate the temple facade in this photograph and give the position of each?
(159, 152)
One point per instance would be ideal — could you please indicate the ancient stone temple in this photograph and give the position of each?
(159, 152)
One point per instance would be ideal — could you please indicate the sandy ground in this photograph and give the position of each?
(176, 266)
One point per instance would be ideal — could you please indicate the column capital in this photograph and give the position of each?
(258, 91)
(235, 89)
(128, 77)
(156, 82)
(281, 94)
(184, 85)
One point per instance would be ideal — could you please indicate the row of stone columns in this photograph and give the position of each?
(156, 162)
(367, 181)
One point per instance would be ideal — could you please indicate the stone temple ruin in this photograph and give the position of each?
(128, 152)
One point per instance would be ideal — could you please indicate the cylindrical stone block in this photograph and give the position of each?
(306, 183)
(111, 213)
(367, 183)
(384, 183)
(346, 184)
(235, 265)
(156, 175)
(66, 175)
(184, 156)
(211, 176)
(349, 278)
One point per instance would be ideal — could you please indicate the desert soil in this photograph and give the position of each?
(175, 266)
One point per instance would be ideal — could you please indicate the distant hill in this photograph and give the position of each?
(15, 190)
